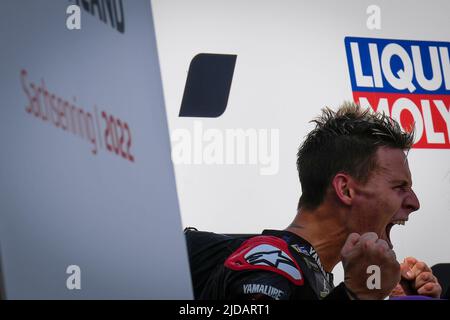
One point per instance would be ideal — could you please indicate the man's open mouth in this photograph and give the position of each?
(389, 227)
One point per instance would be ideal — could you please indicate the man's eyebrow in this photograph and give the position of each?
(400, 182)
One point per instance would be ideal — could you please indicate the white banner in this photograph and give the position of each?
(88, 204)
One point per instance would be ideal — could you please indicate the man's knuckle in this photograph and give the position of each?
(421, 265)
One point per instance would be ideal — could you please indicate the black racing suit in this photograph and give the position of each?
(275, 265)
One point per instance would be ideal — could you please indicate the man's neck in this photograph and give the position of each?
(324, 231)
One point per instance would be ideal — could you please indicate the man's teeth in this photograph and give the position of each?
(400, 222)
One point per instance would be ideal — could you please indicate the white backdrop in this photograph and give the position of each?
(291, 62)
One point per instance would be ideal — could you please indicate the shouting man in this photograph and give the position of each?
(356, 185)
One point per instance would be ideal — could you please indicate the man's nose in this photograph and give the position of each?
(412, 202)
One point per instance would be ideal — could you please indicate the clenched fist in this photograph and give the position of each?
(360, 252)
(417, 278)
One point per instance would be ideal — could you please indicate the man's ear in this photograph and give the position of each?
(342, 185)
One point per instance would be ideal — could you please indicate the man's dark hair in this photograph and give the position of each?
(344, 141)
